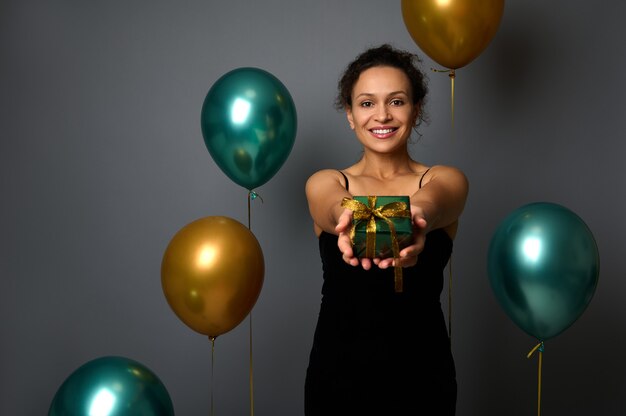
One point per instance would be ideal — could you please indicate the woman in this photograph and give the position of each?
(376, 351)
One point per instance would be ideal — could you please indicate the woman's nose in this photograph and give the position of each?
(383, 113)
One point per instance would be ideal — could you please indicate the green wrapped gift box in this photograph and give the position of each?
(371, 218)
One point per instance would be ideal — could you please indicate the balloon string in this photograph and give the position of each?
(450, 300)
(249, 199)
(251, 196)
(539, 347)
(251, 372)
(452, 75)
(212, 339)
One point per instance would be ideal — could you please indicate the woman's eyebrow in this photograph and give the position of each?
(369, 94)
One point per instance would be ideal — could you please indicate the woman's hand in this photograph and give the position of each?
(409, 254)
(345, 245)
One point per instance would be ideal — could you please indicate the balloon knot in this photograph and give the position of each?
(254, 195)
(539, 347)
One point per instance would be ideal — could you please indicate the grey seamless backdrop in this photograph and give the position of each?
(102, 161)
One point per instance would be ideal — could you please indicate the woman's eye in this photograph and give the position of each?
(397, 102)
(367, 104)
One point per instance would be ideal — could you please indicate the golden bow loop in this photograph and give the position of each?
(369, 213)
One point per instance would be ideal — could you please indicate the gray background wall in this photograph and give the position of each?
(102, 161)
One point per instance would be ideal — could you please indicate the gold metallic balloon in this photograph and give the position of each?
(212, 273)
(452, 32)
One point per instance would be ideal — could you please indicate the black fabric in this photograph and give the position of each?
(347, 185)
(376, 351)
(422, 177)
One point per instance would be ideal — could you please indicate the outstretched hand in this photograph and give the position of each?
(344, 224)
(408, 255)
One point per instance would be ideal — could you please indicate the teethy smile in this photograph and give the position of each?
(383, 132)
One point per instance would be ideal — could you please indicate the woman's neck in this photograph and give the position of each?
(384, 166)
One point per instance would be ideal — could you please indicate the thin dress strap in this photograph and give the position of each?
(423, 174)
(346, 178)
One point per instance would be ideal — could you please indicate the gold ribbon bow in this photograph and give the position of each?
(370, 213)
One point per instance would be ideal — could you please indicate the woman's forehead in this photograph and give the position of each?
(382, 80)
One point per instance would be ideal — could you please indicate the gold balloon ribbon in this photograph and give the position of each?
(539, 347)
(251, 370)
(252, 195)
(212, 339)
(452, 75)
(369, 213)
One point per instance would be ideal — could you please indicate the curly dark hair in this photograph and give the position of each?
(383, 55)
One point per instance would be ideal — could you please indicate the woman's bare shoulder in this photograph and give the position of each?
(324, 178)
(444, 172)
(325, 173)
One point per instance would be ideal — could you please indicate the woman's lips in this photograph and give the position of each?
(383, 132)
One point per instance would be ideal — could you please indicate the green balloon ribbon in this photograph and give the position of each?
(539, 347)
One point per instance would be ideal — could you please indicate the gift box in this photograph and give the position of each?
(378, 222)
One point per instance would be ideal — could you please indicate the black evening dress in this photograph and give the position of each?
(376, 351)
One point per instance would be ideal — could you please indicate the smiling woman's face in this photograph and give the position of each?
(382, 112)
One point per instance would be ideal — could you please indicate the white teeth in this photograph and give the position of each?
(382, 131)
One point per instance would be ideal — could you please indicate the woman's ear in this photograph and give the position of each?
(416, 115)
(349, 117)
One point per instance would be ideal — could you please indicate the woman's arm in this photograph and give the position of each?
(324, 191)
(441, 199)
(437, 204)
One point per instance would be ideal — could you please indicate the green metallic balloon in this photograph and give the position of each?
(249, 125)
(543, 267)
(112, 386)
